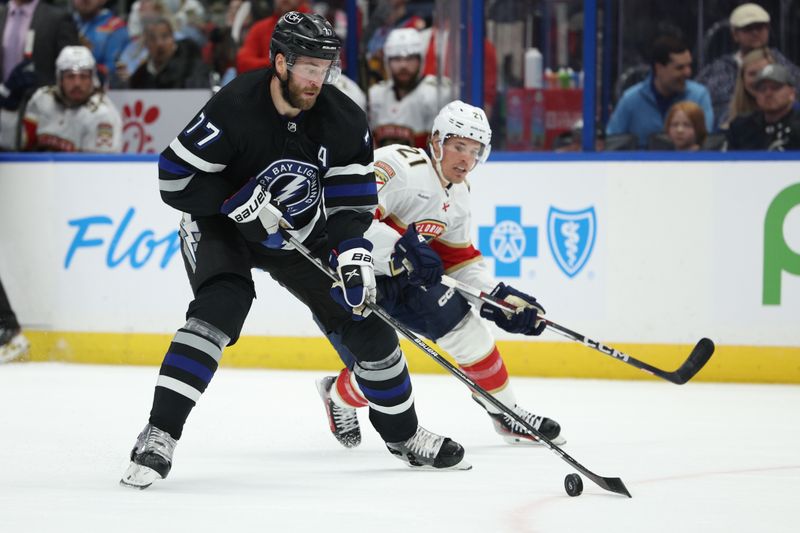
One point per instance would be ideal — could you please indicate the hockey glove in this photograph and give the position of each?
(527, 320)
(259, 215)
(424, 265)
(356, 285)
(21, 79)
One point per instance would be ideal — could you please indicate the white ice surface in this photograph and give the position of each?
(256, 455)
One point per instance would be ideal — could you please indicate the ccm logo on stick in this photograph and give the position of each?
(605, 349)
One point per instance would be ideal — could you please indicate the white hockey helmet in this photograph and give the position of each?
(73, 59)
(403, 42)
(459, 119)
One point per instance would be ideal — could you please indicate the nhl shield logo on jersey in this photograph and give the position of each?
(295, 184)
(571, 236)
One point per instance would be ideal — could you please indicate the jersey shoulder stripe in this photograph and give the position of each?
(200, 164)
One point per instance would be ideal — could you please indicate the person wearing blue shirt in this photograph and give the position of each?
(643, 107)
(106, 33)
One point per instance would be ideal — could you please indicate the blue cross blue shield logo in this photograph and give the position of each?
(508, 241)
(571, 236)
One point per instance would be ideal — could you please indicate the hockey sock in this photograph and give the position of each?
(188, 367)
(472, 345)
(387, 387)
(345, 392)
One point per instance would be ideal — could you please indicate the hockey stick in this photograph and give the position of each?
(699, 356)
(614, 484)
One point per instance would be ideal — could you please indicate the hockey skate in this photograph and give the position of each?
(342, 420)
(13, 345)
(151, 458)
(513, 432)
(428, 450)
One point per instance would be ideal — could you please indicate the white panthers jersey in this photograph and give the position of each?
(409, 191)
(407, 121)
(49, 125)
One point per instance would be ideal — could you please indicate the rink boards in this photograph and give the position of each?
(647, 256)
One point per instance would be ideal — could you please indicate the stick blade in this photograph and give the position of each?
(612, 484)
(700, 355)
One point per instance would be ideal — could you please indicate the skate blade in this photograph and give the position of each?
(463, 465)
(523, 441)
(138, 477)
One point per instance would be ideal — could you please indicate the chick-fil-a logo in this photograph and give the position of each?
(121, 241)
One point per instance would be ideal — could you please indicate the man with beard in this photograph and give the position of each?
(402, 108)
(74, 115)
(643, 107)
(279, 148)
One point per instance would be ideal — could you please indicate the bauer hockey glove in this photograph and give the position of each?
(357, 284)
(424, 265)
(527, 320)
(259, 216)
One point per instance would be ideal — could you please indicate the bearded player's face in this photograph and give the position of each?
(302, 82)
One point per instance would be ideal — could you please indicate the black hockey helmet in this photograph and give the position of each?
(304, 34)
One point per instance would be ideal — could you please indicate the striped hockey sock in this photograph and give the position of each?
(186, 371)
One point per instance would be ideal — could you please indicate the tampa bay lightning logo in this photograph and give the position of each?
(571, 235)
(295, 184)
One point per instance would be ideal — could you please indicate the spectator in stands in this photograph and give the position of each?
(402, 108)
(24, 70)
(224, 39)
(744, 94)
(74, 115)
(135, 52)
(387, 16)
(431, 64)
(686, 126)
(642, 108)
(254, 53)
(106, 35)
(171, 64)
(750, 30)
(776, 124)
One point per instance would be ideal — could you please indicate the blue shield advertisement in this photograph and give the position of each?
(571, 236)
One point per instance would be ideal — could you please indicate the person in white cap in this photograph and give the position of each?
(750, 30)
(776, 124)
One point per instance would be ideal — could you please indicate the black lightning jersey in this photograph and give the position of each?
(318, 164)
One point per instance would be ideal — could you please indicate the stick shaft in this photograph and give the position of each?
(610, 484)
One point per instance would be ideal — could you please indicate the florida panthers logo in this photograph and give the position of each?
(295, 184)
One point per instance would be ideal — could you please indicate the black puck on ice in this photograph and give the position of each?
(574, 484)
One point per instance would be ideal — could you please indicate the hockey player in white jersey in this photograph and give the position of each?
(423, 221)
(74, 115)
(402, 108)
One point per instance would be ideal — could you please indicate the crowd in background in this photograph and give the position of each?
(745, 99)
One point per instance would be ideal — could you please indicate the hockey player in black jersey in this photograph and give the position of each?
(279, 146)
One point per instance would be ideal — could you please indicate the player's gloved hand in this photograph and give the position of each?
(424, 265)
(258, 214)
(528, 318)
(356, 285)
(20, 79)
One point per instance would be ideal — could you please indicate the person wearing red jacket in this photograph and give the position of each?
(254, 53)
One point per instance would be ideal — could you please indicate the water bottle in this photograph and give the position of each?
(533, 69)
